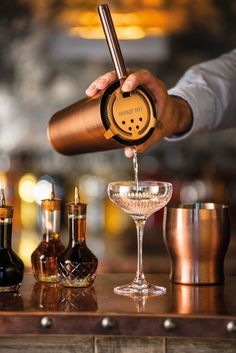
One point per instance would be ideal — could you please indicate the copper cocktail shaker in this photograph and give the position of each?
(109, 120)
(197, 237)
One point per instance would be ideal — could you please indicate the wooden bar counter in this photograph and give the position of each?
(52, 318)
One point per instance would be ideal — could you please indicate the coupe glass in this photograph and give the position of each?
(140, 201)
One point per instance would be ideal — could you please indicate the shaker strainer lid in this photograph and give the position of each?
(128, 117)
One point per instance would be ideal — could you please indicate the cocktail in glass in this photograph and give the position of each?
(140, 201)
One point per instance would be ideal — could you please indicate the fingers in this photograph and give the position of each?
(142, 77)
(135, 79)
(159, 91)
(100, 83)
(129, 153)
(157, 87)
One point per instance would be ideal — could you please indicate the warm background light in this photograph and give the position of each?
(130, 22)
(26, 187)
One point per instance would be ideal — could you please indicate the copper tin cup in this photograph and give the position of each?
(197, 237)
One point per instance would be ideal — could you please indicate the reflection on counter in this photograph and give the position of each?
(45, 296)
(55, 297)
(198, 299)
(11, 301)
(78, 299)
(140, 302)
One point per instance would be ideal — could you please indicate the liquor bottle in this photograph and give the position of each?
(77, 265)
(44, 258)
(11, 266)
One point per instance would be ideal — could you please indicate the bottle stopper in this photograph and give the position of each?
(6, 211)
(52, 203)
(77, 207)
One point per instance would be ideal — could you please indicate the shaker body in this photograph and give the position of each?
(108, 121)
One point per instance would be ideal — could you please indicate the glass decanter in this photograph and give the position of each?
(11, 266)
(77, 265)
(44, 258)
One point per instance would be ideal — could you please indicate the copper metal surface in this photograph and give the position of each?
(6, 212)
(51, 205)
(79, 129)
(109, 120)
(112, 41)
(197, 237)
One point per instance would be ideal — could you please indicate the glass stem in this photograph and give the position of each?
(140, 282)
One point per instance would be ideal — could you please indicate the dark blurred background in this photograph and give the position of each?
(50, 52)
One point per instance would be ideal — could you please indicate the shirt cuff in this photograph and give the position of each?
(198, 100)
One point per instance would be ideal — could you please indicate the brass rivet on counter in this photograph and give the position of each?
(108, 323)
(231, 326)
(169, 324)
(46, 322)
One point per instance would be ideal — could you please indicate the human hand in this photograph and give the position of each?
(174, 113)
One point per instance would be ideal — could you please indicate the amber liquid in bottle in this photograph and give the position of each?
(77, 265)
(11, 266)
(44, 258)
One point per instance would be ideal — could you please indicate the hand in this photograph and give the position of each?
(174, 113)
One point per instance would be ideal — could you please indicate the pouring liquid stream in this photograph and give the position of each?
(135, 166)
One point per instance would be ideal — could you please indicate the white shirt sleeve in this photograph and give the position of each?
(210, 90)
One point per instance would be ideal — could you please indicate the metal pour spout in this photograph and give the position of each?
(77, 197)
(52, 191)
(2, 198)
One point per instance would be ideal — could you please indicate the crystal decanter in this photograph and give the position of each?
(44, 258)
(77, 265)
(11, 266)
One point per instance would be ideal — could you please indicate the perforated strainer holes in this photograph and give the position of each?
(137, 127)
(140, 119)
(123, 122)
(130, 128)
(132, 120)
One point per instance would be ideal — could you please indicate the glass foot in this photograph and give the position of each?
(130, 290)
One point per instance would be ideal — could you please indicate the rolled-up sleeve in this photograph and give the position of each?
(210, 90)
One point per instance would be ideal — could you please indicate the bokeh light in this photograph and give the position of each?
(41, 191)
(3, 180)
(5, 163)
(26, 187)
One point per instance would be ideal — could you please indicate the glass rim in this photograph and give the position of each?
(132, 183)
(198, 206)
